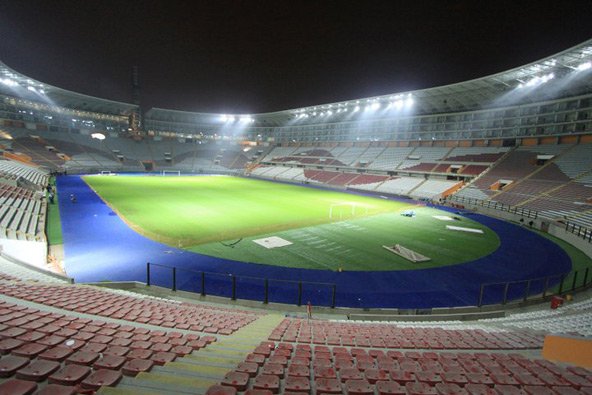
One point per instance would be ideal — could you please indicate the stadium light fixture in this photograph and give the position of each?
(9, 82)
(409, 101)
(356, 108)
(584, 66)
(223, 117)
(98, 136)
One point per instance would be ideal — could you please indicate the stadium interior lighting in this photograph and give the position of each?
(536, 80)
(98, 136)
(223, 117)
(409, 101)
(8, 82)
(584, 66)
(356, 108)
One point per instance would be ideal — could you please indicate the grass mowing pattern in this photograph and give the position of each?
(356, 244)
(201, 212)
(54, 223)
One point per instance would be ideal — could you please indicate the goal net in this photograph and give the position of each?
(170, 173)
(106, 173)
(347, 210)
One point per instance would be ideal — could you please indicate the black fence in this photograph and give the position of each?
(576, 229)
(266, 290)
(533, 289)
(579, 231)
(521, 211)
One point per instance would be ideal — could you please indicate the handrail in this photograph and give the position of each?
(578, 230)
(544, 292)
(203, 274)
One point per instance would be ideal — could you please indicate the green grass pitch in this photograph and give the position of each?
(328, 229)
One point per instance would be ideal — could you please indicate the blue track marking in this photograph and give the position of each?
(98, 246)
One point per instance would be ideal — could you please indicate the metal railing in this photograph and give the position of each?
(579, 231)
(521, 211)
(267, 290)
(533, 289)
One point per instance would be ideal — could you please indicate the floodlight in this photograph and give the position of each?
(375, 106)
(357, 108)
(98, 136)
(32, 89)
(223, 118)
(9, 82)
(409, 102)
(584, 66)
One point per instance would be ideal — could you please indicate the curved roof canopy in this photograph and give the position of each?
(13, 83)
(566, 74)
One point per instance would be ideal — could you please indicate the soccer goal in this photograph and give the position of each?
(170, 173)
(347, 210)
(106, 173)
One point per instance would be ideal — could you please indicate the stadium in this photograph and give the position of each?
(430, 229)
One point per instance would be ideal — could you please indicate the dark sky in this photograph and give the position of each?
(260, 56)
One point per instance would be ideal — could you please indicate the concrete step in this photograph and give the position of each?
(196, 372)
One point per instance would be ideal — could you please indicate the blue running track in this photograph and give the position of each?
(99, 246)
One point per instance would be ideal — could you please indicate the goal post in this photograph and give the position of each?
(170, 172)
(106, 173)
(347, 210)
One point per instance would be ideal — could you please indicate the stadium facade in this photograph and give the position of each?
(548, 98)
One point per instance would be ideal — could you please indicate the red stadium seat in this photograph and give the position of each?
(480, 389)
(267, 382)
(418, 388)
(390, 388)
(503, 389)
(273, 369)
(134, 366)
(350, 374)
(101, 377)
(538, 390)
(10, 364)
(297, 384)
(238, 380)
(83, 358)
(57, 389)
(114, 362)
(358, 387)
(17, 387)
(327, 386)
(450, 389)
(221, 390)
(69, 375)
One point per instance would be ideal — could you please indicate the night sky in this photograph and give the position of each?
(261, 56)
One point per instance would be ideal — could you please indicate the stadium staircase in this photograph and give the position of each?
(196, 372)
